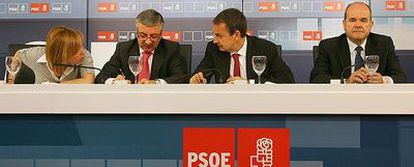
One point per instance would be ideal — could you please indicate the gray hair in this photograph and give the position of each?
(149, 17)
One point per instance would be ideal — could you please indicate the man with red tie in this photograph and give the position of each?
(229, 55)
(161, 59)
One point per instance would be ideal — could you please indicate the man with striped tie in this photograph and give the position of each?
(343, 56)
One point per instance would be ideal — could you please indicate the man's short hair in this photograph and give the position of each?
(234, 20)
(150, 17)
(359, 2)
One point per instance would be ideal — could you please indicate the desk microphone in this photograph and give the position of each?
(76, 66)
(343, 71)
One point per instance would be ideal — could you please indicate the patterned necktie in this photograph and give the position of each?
(145, 71)
(236, 72)
(358, 58)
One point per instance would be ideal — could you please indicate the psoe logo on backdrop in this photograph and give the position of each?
(263, 147)
(208, 147)
(215, 147)
(209, 159)
(264, 153)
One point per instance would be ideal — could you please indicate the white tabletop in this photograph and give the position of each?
(207, 99)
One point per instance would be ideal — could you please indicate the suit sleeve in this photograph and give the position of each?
(320, 72)
(279, 71)
(176, 68)
(393, 68)
(111, 68)
(207, 62)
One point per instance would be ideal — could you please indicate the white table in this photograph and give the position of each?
(207, 99)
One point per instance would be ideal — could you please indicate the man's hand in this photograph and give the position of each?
(198, 79)
(375, 79)
(119, 78)
(232, 80)
(146, 81)
(360, 76)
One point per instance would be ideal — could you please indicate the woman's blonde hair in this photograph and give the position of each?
(61, 44)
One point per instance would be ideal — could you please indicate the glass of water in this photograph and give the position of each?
(372, 63)
(259, 65)
(135, 66)
(13, 65)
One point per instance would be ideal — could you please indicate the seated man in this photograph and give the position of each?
(231, 51)
(162, 62)
(344, 54)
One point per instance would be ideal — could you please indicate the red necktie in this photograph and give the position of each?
(145, 71)
(236, 72)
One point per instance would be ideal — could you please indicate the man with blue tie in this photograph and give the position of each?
(345, 54)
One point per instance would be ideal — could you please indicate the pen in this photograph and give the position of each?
(122, 74)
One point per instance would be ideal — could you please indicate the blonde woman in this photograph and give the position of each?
(63, 46)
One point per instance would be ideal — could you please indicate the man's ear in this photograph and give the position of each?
(237, 33)
(343, 24)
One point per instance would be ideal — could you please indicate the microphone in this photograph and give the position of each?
(208, 74)
(343, 71)
(76, 66)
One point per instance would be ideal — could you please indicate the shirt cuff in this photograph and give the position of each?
(110, 81)
(160, 81)
(387, 80)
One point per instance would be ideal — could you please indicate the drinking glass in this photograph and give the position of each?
(13, 65)
(372, 63)
(135, 65)
(259, 65)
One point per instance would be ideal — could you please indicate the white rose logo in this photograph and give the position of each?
(264, 153)
(264, 144)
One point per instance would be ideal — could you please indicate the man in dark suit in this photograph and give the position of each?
(160, 59)
(346, 52)
(231, 51)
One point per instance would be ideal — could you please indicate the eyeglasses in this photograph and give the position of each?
(152, 37)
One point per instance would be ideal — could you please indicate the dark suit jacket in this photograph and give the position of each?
(167, 63)
(334, 56)
(276, 70)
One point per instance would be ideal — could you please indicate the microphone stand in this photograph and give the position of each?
(76, 66)
(343, 72)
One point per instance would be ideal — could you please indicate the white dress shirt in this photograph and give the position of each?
(352, 47)
(141, 51)
(141, 57)
(242, 59)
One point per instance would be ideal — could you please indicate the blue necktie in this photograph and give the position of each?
(358, 59)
